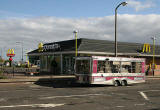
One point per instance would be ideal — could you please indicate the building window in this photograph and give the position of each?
(44, 62)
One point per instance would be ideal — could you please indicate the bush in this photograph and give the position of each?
(1, 76)
(0, 73)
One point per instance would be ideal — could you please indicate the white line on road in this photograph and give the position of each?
(144, 95)
(33, 105)
(139, 104)
(52, 97)
(120, 106)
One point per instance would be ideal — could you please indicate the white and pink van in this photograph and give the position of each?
(109, 70)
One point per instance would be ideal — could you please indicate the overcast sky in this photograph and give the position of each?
(32, 21)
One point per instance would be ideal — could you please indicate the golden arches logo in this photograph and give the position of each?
(146, 48)
(10, 51)
(40, 47)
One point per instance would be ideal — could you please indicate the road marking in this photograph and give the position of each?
(69, 96)
(139, 104)
(29, 83)
(35, 86)
(120, 106)
(144, 95)
(33, 105)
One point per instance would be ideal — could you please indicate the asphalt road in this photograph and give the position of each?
(63, 95)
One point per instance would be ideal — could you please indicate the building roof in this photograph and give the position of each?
(93, 45)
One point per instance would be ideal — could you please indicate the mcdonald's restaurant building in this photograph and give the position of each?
(63, 53)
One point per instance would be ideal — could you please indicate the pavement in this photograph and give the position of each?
(150, 77)
(17, 79)
(46, 78)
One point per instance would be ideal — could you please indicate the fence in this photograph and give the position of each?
(19, 71)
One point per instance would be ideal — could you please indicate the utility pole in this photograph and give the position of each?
(123, 4)
(153, 62)
(76, 51)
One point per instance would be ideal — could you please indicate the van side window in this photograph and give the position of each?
(116, 67)
(104, 67)
(136, 67)
(126, 67)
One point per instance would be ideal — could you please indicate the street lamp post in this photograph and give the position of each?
(123, 4)
(76, 52)
(153, 63)
(22, 49)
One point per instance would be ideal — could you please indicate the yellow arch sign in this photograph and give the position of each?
(146, 48)
(10, 51)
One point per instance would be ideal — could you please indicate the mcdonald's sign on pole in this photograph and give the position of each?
(10, 53)
(146, 48)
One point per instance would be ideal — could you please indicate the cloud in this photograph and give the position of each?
(31, 31)
(138, 6)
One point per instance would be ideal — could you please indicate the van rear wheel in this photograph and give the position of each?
(116, 83)
(124, 83)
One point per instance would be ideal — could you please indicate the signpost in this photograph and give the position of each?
(10, 54)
